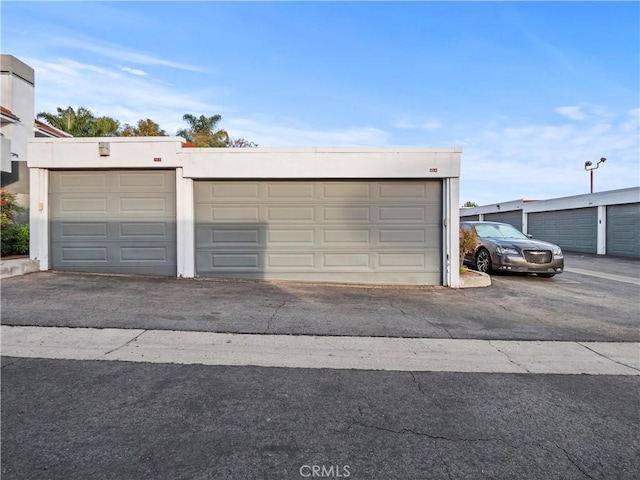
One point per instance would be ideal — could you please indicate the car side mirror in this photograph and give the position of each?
(529, 235)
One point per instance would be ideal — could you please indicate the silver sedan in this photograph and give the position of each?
(503, 247)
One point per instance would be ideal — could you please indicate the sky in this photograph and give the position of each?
(529, 90)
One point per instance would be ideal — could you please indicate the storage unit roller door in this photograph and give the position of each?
(513, 217)
(623, 230)
(574, 230)
(352, 231)
(113, 221)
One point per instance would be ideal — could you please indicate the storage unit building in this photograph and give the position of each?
(151, 206)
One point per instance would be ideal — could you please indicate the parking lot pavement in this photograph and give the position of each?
(628, 268)
(74, 420)
(210, 379)
(569, 307)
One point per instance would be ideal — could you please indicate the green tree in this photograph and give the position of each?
(203, 131)
(106, 127)
(79, 123)
(470, 204)
(144, 128)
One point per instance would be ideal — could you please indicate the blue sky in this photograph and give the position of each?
(529, 90)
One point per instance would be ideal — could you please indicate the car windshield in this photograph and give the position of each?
(498, 231)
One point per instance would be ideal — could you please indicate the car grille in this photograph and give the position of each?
(537, 256)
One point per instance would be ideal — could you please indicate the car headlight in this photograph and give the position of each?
(507, 251)
(557, 252)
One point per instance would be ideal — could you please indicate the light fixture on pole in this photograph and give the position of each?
(588, 164)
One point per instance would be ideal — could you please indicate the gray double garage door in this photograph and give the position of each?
(353, 231)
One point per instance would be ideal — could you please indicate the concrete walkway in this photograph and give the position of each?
(361, 353)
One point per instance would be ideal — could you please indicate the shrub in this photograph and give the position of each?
(14, 239)
(468, 243)
(8, 207)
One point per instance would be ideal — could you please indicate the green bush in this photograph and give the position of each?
(14, 238)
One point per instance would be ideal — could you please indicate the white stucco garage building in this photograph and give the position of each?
(149, 205)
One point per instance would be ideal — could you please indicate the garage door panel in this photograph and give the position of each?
(113, 229)
(241, 261)
(79, 253)
(402, 236)
(141, 181)
(291, 237)
(346, 191)
(149, 230)
(290, 191)
(405, 213)
(346, 237)
(403, 191)
(291, 260)
(365, 231)
(83, 205)
(143, 206)
(623, 230)
(79, 181)
(235, 214)
(290, 214)
(414, 261)
(228, 192)
(347, 260)
(348, 214)
(79, 230)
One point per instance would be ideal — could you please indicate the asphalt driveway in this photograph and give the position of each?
(596, 299)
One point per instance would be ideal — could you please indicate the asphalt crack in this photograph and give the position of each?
(417, 383)
(8, 364)
(418, 433)
(282, 304)
(567, 456)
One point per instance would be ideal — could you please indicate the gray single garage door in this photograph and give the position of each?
(623, 230)
(113, 221)
(575, 230)
(513, 218)
(365, 231)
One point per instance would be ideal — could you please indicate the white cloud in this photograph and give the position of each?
(116, 93)
(546, 161)
(571, 112)
(134, 71)
(121, 53)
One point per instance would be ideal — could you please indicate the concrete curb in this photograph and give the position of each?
(18, 266)
(474, 279)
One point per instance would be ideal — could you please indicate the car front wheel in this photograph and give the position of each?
(483, 261)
